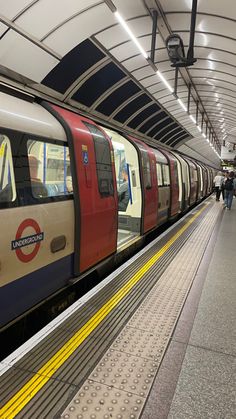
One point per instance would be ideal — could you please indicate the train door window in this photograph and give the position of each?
(166, 174)
(49, 166)
(103, 161)
(7, 180)
(159, 174)
(146, 170)
(176, 173)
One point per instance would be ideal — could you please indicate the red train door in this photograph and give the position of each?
(149, 185)
(96, 197)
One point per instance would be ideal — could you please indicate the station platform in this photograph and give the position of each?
(154, 340)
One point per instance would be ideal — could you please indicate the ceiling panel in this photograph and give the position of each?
(82, 55)
(30, 19)
(79, 28)
(25, 58)
(12, 8)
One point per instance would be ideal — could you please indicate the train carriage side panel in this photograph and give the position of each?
(193, 180)
(149, 185)
(185, 180)
(174, 182)
(163, 178)
(97, 235)
(37, 232)
(204, 174)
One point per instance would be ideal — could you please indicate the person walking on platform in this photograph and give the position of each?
(226, 174)
(230, 189)
(218, 180)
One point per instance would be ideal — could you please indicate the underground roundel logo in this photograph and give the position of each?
(22, 240)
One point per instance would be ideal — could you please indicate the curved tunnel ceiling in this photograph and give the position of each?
(77, 52)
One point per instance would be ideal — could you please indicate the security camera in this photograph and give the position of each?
(175, 48)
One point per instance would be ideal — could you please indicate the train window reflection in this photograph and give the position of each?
(49, 166)
(166, 174)
(103, 161)
(7, 181)
(146, 170)
(159, 175)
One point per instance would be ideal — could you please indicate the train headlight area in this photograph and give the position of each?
(99, 358)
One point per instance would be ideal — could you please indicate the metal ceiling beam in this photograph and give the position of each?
(154, 34)
(164, 30)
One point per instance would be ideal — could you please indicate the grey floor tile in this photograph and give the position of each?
(215, 322)
(199, 398)
(161, 395)
(212, 366)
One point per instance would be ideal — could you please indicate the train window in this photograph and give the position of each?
(103, 161)
(146, 170)
(159, 174)
(176, 173)
(49, 166)
(166, 174)
(7, 181)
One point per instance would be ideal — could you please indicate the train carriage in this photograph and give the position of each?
(60, 175)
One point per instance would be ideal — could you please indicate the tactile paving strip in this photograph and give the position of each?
(129, 367)
(104, 402)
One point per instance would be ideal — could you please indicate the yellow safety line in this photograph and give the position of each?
(31, 388)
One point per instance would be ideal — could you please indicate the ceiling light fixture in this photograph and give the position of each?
(125, 26)
(192, 118)
(182, 105)
(165, 82)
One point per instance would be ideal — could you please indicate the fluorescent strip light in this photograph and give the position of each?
(125, 26)
(199, 129)
(182, 105)
(207, 140)
(165, 82)
(192, 118)
(204, 135)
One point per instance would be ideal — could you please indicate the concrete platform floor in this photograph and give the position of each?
(197, 378)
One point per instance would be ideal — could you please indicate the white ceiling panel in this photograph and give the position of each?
(204, 23)
(11, 8)
(62, 26)
(216, 55)
(80, 28)
(129, 49)
(113, 36)
(143, 72)
(220, 8)
(135, 62)
(131, 8)
(55, 15)
(211, 41)
(202, 65)
(3, 28)
(215, 75)
(25, 58)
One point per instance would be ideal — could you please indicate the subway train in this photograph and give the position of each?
(63, 179)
